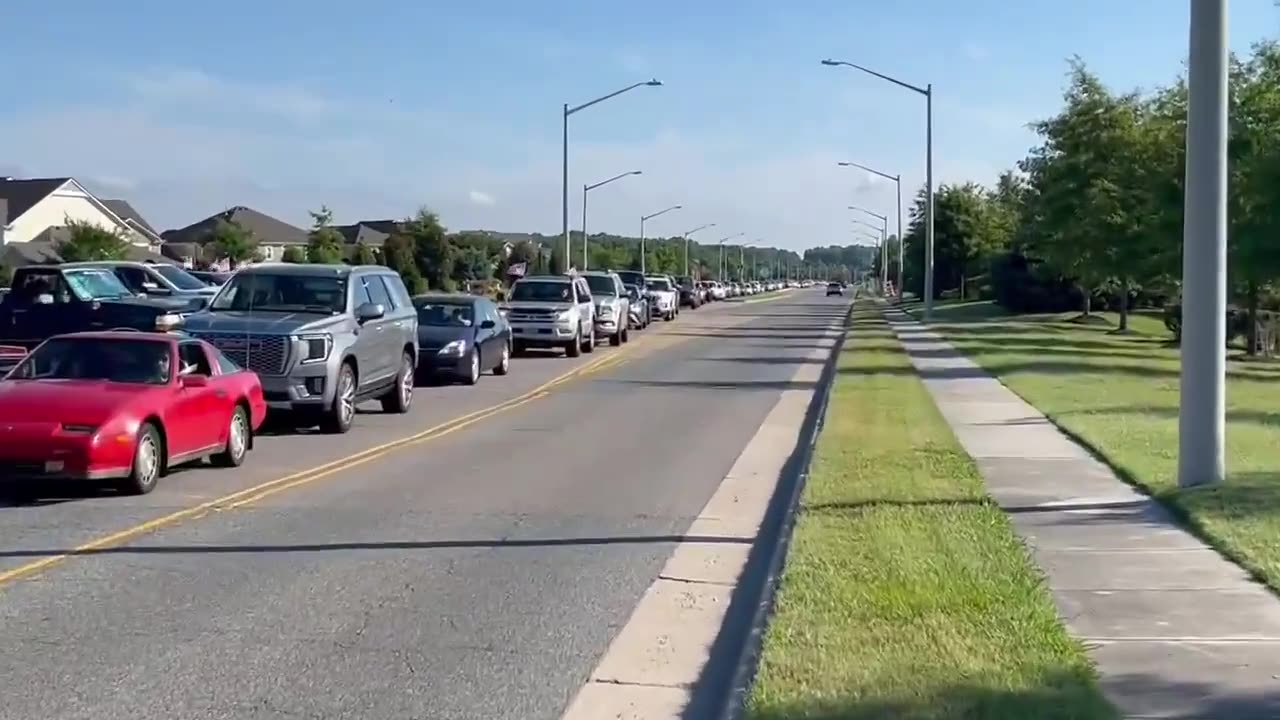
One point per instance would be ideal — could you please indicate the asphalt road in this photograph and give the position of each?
(478, 572)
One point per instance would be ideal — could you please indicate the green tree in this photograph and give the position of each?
(232, 242)
(294, 254)
(558, 264)
(6, 275)
(432, 251)
(364, 255)
(397, 254)
(324, 242)
(90, 241)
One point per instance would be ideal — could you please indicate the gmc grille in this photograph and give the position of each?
(262, 354)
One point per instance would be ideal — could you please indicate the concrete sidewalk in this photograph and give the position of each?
(1176, 630)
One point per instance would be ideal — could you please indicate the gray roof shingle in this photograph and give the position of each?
(23, 194)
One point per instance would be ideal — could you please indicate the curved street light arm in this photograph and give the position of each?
(616, 93)
(873, 171)
(882, 76)
(615, 177)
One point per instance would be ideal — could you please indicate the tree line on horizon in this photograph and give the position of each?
(1092, 217)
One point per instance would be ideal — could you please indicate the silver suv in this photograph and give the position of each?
(323, 338)
(552, 311)
(613, 305)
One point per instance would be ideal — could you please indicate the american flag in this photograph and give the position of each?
(517, 270)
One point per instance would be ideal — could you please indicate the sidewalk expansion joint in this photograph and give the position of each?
(691, 581)
(680, 686)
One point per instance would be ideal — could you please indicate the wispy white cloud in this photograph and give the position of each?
(173, 86)
(975, 52)
(478, 197)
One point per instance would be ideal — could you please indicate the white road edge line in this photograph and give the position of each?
(651, 666)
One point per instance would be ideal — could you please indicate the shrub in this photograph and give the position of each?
(1021, 285)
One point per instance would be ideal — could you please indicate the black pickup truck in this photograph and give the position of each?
(47, 300)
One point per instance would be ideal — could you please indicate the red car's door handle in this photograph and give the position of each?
(220, 393)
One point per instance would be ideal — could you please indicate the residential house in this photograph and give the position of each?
(188, 245)
(34, 213)
(370, 233)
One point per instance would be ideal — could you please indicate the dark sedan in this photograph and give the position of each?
(460, 337)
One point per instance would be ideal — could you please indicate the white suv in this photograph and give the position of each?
(552, 311)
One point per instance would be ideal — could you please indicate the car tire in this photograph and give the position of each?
(669, 316)
(616, 339)
(517, 348)
(504, 365)
(339, 416)
(626, 335)
(399, 398)
(574, 348)
(148, 462)
(239, 435)
(474, 363)
(589, 346)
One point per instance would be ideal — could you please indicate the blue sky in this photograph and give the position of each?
(377, 107)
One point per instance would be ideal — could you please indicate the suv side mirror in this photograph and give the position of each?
(370, 311)
(488, 325)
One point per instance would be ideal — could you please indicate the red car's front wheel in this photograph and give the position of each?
(148, 462)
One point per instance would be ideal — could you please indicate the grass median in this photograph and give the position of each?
(906, 594)
(1119, 395)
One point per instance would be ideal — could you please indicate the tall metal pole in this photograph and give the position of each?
(584, 226)
(686, 254)
(1202, 401)
(642, 219)
(901, 246)
(928, 207)
(564, 180)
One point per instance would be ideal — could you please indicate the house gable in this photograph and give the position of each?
(36, 205)
(266, 230)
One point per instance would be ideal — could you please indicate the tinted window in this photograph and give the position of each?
(377, 291)
(396, 291)
(147, 362)
(542, 291)
(601, 284)
(133, 278)
(584, 292)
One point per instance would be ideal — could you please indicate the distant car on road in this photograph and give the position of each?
(666, 298)
(461, 336)
(639, 307)
(613, 306)
(322, 337)
(125, 407)
(834, 289)
(552, 311)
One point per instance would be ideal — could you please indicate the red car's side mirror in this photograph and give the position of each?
(194, 381)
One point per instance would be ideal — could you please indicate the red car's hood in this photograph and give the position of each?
(76, 402)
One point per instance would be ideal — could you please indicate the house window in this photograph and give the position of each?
(269, 252)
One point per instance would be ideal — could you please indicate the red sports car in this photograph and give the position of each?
(124, 407)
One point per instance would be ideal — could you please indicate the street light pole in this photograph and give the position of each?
(927, 92)
(721, 242)
(643, 218)
(586, 189)
(686, 245)
(564, 177)
(884, 242)
(897, 179)
(1202, 390)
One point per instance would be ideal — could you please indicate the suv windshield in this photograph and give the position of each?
(114, 360)
(601, 285)
(287, 293)
(445, 314)
(659, 285)
(180, 278)
(542, 291)
(95, 284)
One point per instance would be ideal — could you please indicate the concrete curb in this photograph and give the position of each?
(775, 539)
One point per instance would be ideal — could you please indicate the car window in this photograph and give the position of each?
(377, 291)
(542, 291)
(132, 278)
(584, 292)
(284, 292)
(397, 300)
(95, 284)
(602, 284)
(178, 277)
(225, 365)
(192, 360)
(118, 360)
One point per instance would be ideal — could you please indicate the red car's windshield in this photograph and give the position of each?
(140, 361)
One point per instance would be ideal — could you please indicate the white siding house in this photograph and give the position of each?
(37, 205)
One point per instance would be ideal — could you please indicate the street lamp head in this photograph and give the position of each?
(844, 164)
(830, 62)
(636, 172)
(654, 83)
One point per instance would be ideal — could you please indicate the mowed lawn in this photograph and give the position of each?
(906, 594)
(1119, 395)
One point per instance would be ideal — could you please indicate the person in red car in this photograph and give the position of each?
(110, 406)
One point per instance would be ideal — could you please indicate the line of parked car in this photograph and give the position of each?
(118, 371)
